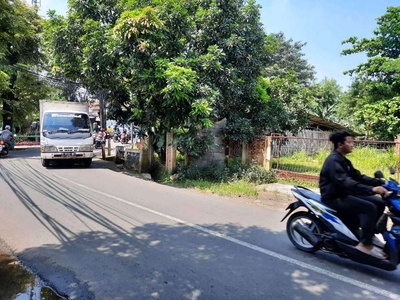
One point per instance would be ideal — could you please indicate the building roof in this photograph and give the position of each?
(324, 124)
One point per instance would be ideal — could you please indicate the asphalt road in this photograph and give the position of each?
(99, 234)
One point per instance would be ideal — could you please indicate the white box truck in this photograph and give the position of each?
(65, 132)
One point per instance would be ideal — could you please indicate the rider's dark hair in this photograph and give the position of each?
(338, 137)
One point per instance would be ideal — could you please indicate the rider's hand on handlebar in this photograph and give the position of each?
(380, 190)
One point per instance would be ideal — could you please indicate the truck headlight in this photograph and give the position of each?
(86, 148)
(48, 149)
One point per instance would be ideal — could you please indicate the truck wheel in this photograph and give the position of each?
(87, 162)
(45, 162)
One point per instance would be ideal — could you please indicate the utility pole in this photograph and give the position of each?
(101, 95)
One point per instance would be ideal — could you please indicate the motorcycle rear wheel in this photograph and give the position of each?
(305, 219)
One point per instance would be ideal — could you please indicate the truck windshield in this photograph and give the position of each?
(66, 122)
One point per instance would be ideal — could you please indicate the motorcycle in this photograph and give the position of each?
(321, 228)
(117, 137)
(99, 141)
(124, 138)
(3, 148)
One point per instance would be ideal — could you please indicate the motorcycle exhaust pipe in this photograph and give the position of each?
(306, 233)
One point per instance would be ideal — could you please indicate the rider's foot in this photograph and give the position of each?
(371, 250)
(378, 242)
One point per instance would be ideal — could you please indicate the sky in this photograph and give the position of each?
(322, 24)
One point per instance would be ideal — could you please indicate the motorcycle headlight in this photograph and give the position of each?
(86, 148)
(49, 149)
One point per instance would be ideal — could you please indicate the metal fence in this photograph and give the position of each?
(302, 158)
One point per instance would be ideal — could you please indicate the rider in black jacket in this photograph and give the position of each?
(345, 189)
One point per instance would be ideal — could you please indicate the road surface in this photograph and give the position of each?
(99, 234)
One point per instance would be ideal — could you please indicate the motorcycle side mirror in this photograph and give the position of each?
(392, 171)
(378, 174)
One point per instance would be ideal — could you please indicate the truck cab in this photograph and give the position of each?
(65, 132)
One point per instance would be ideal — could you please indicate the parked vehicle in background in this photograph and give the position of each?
(4, 149)
(65, 132)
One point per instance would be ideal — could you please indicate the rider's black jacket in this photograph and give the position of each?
(338, 178)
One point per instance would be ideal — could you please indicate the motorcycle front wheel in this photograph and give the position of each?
(305, 219)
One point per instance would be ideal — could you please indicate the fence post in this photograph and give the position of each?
(268, 153)
(245, 153)
(170, 154)
(150, 148)
(397, 148)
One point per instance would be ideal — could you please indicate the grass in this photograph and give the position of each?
(307, 184)
(236, 188)
(366, 159)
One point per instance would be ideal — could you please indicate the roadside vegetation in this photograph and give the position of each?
(229, 179)
(366, 159)
(216, 61)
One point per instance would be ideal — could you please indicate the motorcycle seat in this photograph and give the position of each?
(305, 192)
(308, 193)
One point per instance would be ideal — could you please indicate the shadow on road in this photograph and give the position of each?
(161, 261)
(156, 261)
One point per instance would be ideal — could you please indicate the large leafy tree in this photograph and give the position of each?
(287, 58)
(80, 49)
(179, 65)
(327, 94)
(376, 83)
(20, 87)
(189, 61)
(291, 80)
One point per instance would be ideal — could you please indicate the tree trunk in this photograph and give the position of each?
(9, 96)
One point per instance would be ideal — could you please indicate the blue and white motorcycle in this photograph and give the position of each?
(318, 227)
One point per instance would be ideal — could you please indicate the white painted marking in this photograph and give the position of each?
(281, 257)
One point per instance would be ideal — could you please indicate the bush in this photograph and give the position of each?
(214, 172)
(234, 171)
(157, 171)
(258, 175)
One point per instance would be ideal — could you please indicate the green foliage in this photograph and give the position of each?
(366, 159)
(239, 129)
(326, 96)
(233, 172)
(377, 81)
(176, 65)
(286, 58)
(235, 188)
(383, 51)
(20, 89)
(296, 100)
(157, 171)
(381, 118)
(215, 172)
(194, 144)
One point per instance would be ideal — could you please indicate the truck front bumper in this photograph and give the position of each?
(66, 155)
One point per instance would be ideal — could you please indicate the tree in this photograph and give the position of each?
(376, 81)
(382, 69)
(381, 118)
(20, 89)
(80, 46)
(290, 78)
(184, 68)
(286, 57)
(327, 95)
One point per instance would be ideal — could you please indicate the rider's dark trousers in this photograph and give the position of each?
(369, 208)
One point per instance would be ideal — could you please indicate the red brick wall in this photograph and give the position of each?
(257, 150)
